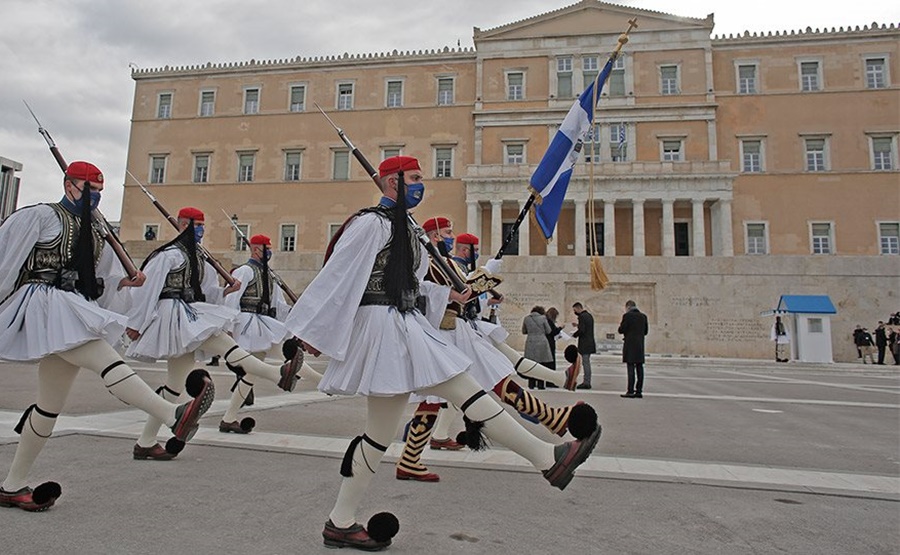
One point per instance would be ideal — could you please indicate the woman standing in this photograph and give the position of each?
(552, 315)
(536, 328)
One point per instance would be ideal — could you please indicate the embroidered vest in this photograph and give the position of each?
(178, 280)
(251, 300)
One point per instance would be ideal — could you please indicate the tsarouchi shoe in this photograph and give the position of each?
(568, 457)
(424, 476)
(34, 500)
(354, 536)
(447, 444)
(154, 453)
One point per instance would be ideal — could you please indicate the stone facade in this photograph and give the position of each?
(718, 166)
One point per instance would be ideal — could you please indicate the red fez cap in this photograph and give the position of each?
(260, 240)
(191, 213)
(85, 171)
(433, 224)
(396, 163)
(466, 239)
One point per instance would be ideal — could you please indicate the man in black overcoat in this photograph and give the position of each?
(634, 327)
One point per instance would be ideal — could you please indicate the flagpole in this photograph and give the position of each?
(623, 38)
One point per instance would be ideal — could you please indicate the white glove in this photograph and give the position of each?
(492, 266)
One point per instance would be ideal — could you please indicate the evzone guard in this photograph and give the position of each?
(170, 318)
(58, 281)
(491, 369)
(258, 326)
(364, 310)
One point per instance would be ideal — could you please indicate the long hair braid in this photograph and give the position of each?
(398, 272)
(83, 259)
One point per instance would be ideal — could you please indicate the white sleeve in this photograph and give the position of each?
(324, 313)
(244, 274)
(18, 235)
(145, 298)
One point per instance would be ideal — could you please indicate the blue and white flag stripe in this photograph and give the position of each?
(551, 178)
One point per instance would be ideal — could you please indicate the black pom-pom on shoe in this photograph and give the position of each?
(46, 492)
(174, 446)
(247, 424)
(382, 527)
(289, 348)
(582, 421)
(195, 380)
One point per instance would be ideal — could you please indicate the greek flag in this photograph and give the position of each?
(551, 178)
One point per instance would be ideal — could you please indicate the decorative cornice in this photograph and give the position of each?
(809, 32)
(303, 62)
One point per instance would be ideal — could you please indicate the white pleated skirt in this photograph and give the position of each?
(178, 328)
(391, 354)
(38, 320)
(256, 333)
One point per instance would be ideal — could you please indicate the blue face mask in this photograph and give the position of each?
(198, 232)
(77, 204)
(268, 255)
(448, 241)
(414, 194)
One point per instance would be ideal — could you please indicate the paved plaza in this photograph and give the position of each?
(720, 456)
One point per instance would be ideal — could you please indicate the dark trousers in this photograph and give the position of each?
(881, 350)
(635, 370)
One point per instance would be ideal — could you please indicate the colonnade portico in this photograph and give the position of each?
(655, 205)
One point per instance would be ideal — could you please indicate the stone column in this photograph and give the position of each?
(668, 227)
(473, 218)
(609, 227)
(524, 233)
(496, 225)
(723, 242)
(638, 227)
(580, 228)
(699, 228)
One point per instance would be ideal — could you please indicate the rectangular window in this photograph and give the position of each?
(288, 240)
(671, 151)
(876, 77)
(668, 79)
(751, 155)
(889, 237)
(815, 155)
(246, 161)
(756, 239)
(394, 94)
(809, 76)
(292, 159)
(747, 79)
(340, 170)
(164, 106)
(332, 230)
(443, 161)
(882, 153)
(251, 101)
(618, 142)
(201, 168)
(390, 151)
(158, 169)
(591, 146)
(239, 243)
(564, 77)
(815, 325)
(616, 83)
(298, 98)
(207, 103)
(598, 237)
(821, 238)
(515, 153)
(515, 86)
(345, 96)
(445, 91)
(589, 69)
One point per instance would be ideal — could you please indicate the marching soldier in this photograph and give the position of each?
(365, 311)
(56, 275)
(171, 318)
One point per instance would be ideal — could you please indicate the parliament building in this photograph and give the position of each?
(722, 172)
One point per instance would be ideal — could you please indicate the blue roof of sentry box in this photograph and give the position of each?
(807, 304)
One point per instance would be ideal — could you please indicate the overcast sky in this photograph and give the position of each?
(70, 60)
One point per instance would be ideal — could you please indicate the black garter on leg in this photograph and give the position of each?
(347, 463)
(25, 416)
(473, 437)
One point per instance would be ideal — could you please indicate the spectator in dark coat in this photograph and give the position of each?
(587, 345)
(552, 315)
(536, 328)
(634, 327)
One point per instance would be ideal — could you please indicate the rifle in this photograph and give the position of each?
(226, 275)
(284, 286)
(100, 223)
(458, 283)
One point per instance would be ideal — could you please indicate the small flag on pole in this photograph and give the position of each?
(551, 178)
